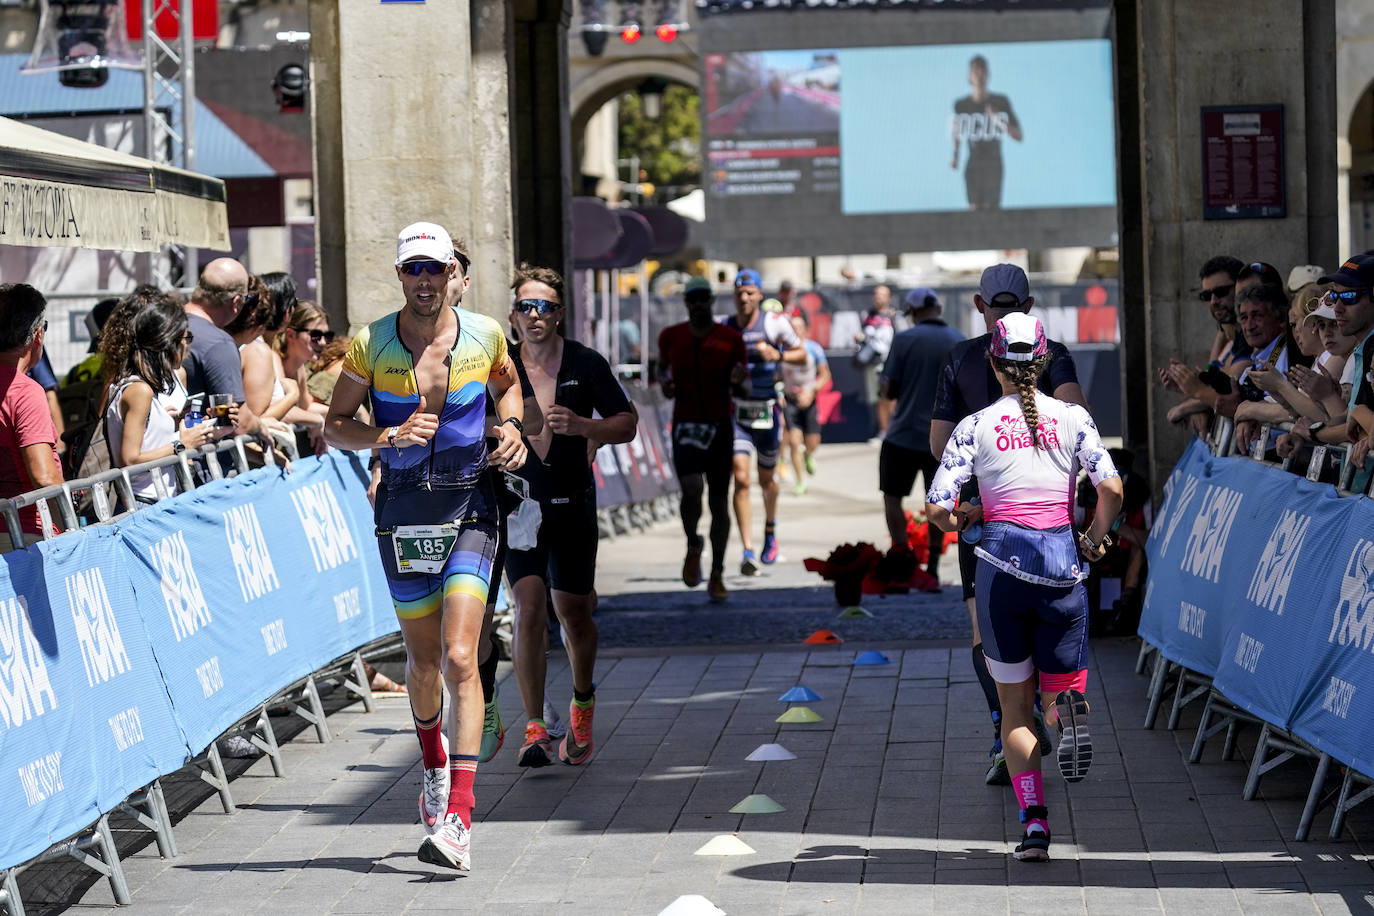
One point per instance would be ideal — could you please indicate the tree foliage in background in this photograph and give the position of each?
(669, 149)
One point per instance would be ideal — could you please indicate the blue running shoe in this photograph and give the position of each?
(749, 565)
(770, 549)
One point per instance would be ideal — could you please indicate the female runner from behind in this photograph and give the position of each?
(1026, 449)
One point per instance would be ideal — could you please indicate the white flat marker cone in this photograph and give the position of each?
(727, 844)
(771, 752)
(691, 905)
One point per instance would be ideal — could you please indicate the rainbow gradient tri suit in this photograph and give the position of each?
(445, 481)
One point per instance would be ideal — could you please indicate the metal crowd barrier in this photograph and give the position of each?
(94, 846)
(1219, 713)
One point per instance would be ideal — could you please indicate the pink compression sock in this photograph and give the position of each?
(1030, 793)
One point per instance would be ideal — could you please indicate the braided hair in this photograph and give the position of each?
(1024, 375)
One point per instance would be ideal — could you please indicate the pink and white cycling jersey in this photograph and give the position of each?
(1028, 486)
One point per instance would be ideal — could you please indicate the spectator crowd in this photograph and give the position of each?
(1288, 363)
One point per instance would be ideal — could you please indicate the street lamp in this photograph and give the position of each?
(651, 96)
(81, 39)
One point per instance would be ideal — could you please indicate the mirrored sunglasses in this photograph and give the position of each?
(415, 268)
(542, 306)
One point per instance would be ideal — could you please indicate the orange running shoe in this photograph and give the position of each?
(538, 749)
(576, 745)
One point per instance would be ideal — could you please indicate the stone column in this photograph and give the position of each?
(541, 141)
(410, 123)
(1185, 55)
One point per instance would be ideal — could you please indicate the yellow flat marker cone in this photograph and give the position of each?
(799, 715)
(727, 844)
(855, 611)
(691, 905)
(757, 804)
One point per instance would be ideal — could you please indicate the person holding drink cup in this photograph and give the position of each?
(141, 355)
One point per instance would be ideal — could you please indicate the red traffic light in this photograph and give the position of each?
(630, 34)
(666, 32)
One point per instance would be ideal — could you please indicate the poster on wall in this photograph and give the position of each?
(1242, 162)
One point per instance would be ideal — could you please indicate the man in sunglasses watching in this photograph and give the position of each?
(701, 363)
(1351, 297)
(568, 382)
(1218, 293)
(426, 370)
(769, 340)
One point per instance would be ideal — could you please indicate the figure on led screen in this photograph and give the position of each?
(982, 119)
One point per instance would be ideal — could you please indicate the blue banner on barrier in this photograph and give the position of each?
(1336, 689)
(1265, 581)
(85, 718)
(251, 582)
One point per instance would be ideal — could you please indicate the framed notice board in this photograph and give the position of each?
(1242, 162)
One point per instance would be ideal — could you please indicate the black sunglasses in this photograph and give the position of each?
(1216, 292)
(316, 336)
(415, 268)
(542, 306)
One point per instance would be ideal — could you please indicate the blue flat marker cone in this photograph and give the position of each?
(799, 694)
(872, 657)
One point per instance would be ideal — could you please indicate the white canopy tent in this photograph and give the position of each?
(60, 192)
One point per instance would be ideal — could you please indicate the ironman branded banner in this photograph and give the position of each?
(1265, 581)
(250, 583)
(85, 718)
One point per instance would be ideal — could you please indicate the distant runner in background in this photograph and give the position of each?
(769, 340)
(801, 382)
(701, 362)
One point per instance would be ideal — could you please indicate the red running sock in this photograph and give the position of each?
(1030, 793)
(432, 750)
(462, 770)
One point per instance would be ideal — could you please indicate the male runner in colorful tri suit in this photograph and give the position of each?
(701, 362)
(435, 509)
(568, 382)
(768, 340)
(1026, 449)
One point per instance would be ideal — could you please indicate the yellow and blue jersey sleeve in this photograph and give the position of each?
(457, 455)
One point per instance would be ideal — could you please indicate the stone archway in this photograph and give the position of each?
(1357, 171)
(596, 85)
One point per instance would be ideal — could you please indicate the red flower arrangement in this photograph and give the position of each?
(847, 566)
(861, 569)
(916, 536)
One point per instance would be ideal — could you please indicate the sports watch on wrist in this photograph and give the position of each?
(391, 435)
(515, 421)
(178, 447)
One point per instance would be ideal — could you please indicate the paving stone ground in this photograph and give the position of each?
(885, 806)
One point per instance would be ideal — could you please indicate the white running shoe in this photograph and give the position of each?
(433, 798)
(450, 846)
(553, 722)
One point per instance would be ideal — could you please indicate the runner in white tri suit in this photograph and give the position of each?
(1026, 449)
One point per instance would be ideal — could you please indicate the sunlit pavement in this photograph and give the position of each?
(884, 806)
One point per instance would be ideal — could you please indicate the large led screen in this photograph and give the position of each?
(871, 149)
(1020, 125)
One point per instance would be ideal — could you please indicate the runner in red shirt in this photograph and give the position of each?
(700, 362)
